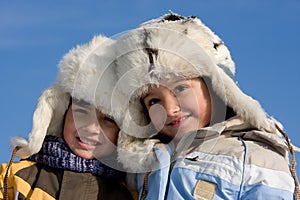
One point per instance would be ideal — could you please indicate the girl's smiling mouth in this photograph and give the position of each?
(177, 122)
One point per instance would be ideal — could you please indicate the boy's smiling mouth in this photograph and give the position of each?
(87, 141)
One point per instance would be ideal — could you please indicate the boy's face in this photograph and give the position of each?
(88, 132)
(179, 106)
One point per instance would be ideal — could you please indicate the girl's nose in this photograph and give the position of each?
(172, 106)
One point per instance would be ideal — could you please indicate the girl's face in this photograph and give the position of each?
(88, 132)
(179, 106)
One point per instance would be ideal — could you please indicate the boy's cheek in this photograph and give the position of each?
(113, 138)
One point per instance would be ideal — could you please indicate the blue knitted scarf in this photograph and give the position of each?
(55, 153)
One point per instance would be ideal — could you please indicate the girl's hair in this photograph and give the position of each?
(220, 111)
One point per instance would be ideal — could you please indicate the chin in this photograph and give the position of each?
(85, 155)
(181, 133)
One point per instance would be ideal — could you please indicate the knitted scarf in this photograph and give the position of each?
(55, 153)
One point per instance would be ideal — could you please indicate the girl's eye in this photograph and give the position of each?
(179, 88)
(153, 101)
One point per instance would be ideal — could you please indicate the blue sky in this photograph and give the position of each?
(263, 36)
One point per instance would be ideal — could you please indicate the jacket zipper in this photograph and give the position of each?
(146, 186)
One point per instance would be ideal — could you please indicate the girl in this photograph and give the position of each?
(189, 132)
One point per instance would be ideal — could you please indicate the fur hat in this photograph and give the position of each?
(174, 45)
(83, 74)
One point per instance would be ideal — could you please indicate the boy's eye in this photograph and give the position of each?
(179, 88)
(80, 110)
(109, 119)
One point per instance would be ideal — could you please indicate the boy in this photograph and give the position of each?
(189, 132)
(73, 137)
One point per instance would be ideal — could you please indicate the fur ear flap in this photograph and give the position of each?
(51, 106)
(136, 155)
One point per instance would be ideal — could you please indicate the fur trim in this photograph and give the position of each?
(47, 119)
(83, 75)
(136, 155)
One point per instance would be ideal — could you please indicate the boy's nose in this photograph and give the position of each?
(92, 128)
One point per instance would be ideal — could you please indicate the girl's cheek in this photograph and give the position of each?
(158, 116)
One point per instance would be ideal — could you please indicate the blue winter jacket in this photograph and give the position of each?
(227, 161)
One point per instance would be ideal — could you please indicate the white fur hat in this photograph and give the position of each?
(84, 74)
(173, 45)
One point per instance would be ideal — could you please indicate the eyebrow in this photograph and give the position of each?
(81, 103)
(180, 81)
(146, 95)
